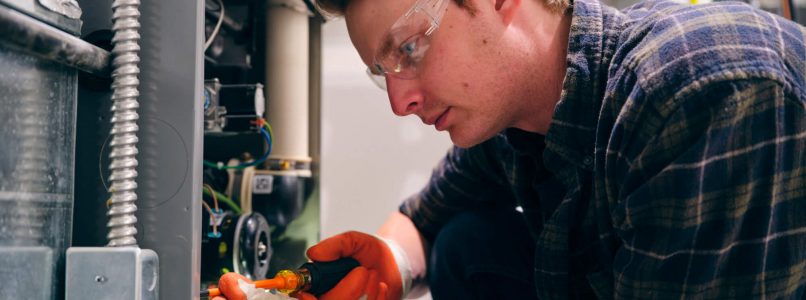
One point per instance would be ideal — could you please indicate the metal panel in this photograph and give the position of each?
(171, 141)
(170, 147)
(27, 272)
(38, 100)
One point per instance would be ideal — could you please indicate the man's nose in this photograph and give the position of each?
(405, 95)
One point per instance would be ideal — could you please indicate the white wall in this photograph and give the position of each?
(371, 158)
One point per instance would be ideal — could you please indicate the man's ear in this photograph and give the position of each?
(507, 9)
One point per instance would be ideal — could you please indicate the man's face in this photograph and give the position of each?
(464, 81)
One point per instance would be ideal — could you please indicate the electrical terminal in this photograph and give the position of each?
(216, 219)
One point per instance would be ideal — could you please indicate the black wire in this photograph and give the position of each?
(312, 8)
(793, 10)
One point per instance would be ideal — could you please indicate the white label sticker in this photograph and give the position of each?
(262, 184)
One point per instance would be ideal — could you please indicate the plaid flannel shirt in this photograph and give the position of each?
(674, 166)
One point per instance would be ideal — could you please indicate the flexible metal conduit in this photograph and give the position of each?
(122, 221)
(33, 37)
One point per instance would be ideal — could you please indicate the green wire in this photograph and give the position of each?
(224, 199)
(222, 167)
(268, 127)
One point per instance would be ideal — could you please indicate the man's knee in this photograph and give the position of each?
(482, 246)
(463, 233)
(481, 237)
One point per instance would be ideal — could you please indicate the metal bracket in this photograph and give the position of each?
(67, 8)
(112, 273)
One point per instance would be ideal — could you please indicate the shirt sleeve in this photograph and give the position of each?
(465, 179)
(712, 204)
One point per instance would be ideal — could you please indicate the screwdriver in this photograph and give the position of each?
(312, 277)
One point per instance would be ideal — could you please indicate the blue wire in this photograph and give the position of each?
(268, 151)
(249, 164)
(206, 99)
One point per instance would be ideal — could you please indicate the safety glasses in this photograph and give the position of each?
(407, 42)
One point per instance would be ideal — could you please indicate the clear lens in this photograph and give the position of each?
(379, 80)
(411, 33)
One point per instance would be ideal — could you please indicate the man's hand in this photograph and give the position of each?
(378, 276)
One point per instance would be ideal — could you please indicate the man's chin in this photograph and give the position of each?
(464, 141)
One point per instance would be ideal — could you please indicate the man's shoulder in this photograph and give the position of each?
(669, 47)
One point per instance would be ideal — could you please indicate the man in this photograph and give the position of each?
(656, 152)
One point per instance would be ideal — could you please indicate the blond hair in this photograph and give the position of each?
(336, 8)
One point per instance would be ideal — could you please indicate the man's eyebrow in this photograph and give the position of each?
(387, 45)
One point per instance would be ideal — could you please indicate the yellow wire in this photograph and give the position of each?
(268, 127)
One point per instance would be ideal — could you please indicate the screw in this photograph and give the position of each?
(261, 248)
(100, 279)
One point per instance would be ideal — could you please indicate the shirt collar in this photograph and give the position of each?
(572, 133)
(524, 142)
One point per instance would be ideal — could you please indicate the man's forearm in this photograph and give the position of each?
(400, 229)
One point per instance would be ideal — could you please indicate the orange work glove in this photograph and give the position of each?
(378, 276)
(357, 283)
(228, 285)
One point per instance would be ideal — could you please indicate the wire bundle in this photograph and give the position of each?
(268, 134)
(213, 219)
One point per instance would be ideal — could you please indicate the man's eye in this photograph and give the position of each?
(377, 69)
(409, 48)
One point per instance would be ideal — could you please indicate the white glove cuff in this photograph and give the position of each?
(252, 293)
(403, 265)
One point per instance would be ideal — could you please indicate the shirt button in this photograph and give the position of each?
(587, 160)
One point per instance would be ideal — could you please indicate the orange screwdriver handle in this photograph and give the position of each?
(274, 283)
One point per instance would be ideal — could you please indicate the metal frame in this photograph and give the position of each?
(34, 37)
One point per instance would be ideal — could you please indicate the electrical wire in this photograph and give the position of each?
(226, 200)
(269, 140)
(245, 197)
(793, 11)
(216, 28)
(213, 220)
(206, 99)
(268, 127)
(100, 163)
(215, 199)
